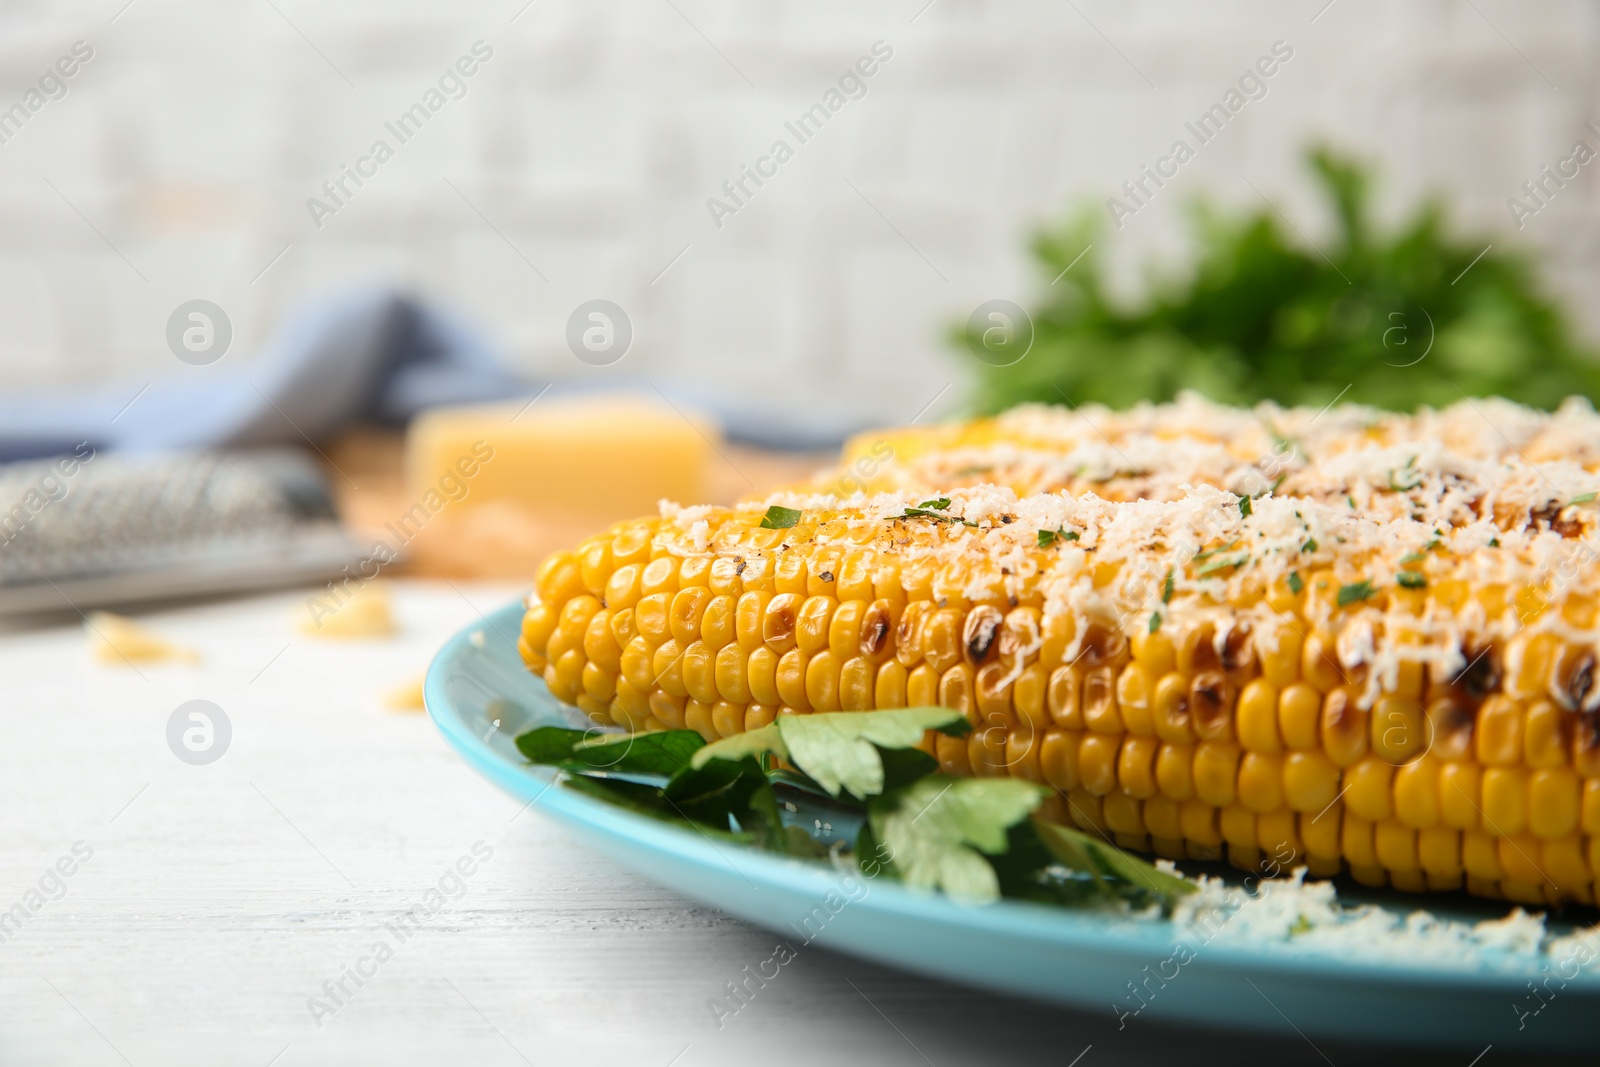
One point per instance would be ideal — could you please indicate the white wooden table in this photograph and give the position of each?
(219, 899)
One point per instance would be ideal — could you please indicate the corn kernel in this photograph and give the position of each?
(1258, 717)
(1505, 800)
(1416, 794)
(1553, 802)
(1299, 716)
(1310, 781)
(1261, 781)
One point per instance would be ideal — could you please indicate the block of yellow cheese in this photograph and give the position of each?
(489, 481)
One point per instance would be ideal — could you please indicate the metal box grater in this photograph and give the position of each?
(89, 530)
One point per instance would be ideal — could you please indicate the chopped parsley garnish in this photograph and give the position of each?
(1050, 537)
(1494, 542)
(1354, 593)
(1166, 589)
(1415, 477)
(931, 509)
(1155, 621)
(1212, 552)
(1214, 565)
(1351, 501)
(1244, 507)
(780, 518)
(1411, 580)
(1584, 498)
(1296, 583)
(1413, 557)
(1310, 545)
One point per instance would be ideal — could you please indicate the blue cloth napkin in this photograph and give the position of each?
(373, 354)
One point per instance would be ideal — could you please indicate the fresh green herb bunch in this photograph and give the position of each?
(976, 839)
(1407, 317)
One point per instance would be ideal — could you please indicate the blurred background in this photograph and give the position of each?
(273, 223)
(579, 162)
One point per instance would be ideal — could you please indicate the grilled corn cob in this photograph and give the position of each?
(1281, 680)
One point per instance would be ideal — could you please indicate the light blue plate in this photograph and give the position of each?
(1082, 958)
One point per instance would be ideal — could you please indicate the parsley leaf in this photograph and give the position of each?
(1411, 478)
(933, 509)
(647, 800)
(1244, 507)
(1155, 621)
(1166, 588)
(1047, 538)
(1296, 583)
(1083, 852)
(663, 752)
(1583, 498)
(838, 750)
(1208, 553)
(1310, 545)
(938, 828)
(1354, 592)
(780, 518)
(728, 789)
(549, 744)
(750, 743)
(1214, 565)
(1411, 580)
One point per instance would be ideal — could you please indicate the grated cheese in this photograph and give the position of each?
(1308, 915)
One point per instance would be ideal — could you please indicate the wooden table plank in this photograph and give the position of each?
(219, 899)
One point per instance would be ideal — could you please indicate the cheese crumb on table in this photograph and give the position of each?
(359, 613)
(406, 697)
(116, 639)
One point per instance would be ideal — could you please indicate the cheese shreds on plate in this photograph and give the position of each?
(1309, 916)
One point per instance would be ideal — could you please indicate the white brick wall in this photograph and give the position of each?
(594, 136)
